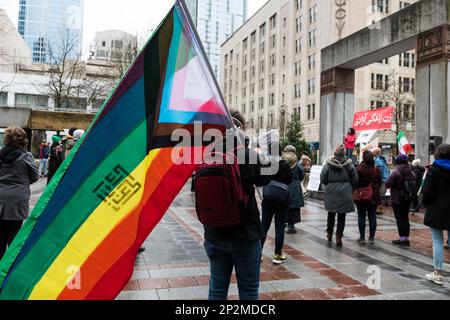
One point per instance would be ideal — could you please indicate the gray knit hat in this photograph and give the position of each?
(340, 151)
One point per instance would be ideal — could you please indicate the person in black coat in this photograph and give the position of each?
(400, 176)
(419, 171)
(436, 199)
(17, 171)
(56, 157)
(271, 208)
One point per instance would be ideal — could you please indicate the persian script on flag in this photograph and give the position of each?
(379, 119)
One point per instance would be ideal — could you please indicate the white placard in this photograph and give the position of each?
(314, 178)
(365, 136)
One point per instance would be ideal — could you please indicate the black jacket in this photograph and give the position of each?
(17, 171)
(436, 197)
(250, 227)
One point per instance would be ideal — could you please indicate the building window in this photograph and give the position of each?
(261, 103)
(313, 14)
(311, 86)
(298, 24)
(403, 4)
(3, 98)
(381, 6)
(262, 31)
(297, 91)
(273, 21)
(274, 41)
(298, 46)
(312, 38)
(312, 61)
(253, 38)
(271, 120)
(271, 99)
(31, 101)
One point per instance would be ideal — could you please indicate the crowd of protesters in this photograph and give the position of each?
(349, 186)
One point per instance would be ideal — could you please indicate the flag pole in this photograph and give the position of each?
(182, 5)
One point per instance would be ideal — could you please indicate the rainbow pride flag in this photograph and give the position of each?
(81, 240)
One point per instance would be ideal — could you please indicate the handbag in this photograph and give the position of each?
(276, 191)
(363, 194)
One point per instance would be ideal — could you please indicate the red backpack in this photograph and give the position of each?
(219, 195)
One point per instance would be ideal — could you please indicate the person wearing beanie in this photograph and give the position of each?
(402, 183)
(78, 134)
(295, 190)
(290, 148)
(369, 179)
(340, 178)
(68, 142)
(56, 157)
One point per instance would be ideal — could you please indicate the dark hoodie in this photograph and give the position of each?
(436, 196)
(10, 153)
(396, 181)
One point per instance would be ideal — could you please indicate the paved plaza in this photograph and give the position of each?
(175, 266)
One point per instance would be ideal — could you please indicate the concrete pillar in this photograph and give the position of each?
(336, 108)
(432, 89)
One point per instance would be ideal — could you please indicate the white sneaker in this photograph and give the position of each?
(435, 278)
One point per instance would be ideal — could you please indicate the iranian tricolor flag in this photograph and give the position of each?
(404, 146)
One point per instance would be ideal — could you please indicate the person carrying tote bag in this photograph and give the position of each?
(367, 196)
(276, 200)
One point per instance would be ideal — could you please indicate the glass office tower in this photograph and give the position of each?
(216, 20)
(44, 23)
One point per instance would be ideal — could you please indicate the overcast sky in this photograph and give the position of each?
(133, 16)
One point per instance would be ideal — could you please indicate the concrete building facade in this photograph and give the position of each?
(216, 20)
(271, 65)
(113, 44)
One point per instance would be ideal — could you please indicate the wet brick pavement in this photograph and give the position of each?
(175, 266)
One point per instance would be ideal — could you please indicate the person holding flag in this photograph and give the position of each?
(404, 147)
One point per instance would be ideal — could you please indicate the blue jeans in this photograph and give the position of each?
(280, 211)
(43, 167)
(245, 257)
(349, 153)
(370, 210)
(438, 248)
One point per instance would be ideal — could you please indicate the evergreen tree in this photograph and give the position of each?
(294, 135)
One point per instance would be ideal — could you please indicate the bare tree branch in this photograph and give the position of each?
(393, 93)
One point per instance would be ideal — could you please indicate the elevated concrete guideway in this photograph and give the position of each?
(43, 120)
(393, 35)
(423, 26)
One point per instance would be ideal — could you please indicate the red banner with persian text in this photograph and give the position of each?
(379, 119)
